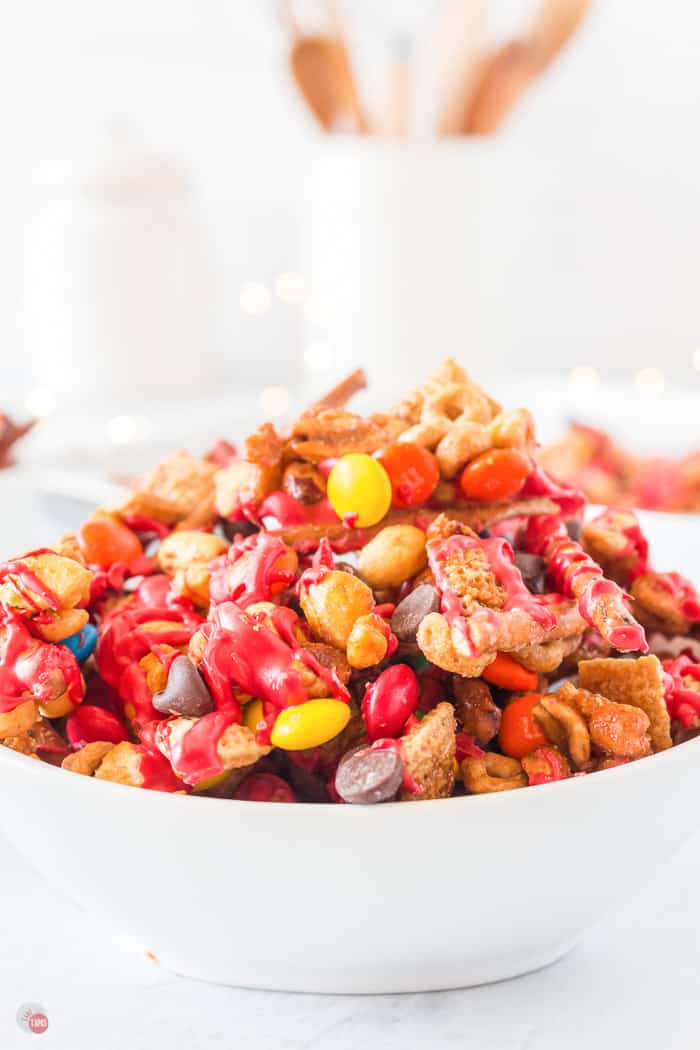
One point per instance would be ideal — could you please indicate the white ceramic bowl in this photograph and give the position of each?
(394, 898)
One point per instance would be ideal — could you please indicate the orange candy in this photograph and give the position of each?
(519, 733)
(413, 472)
(105, 540)
(507, 673)
(495, 475)
(287, 562)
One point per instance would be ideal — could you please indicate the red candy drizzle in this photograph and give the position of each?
(249, 570)
(557, 769)
(88, 724)
(31, 669)
(195, 756)
(501, 559)
(683, 703)
(539, 484)
(125, 638)
(627, 525)
(27, 584)
(244, 652)
(567, 562)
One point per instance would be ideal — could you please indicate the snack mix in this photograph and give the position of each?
(590, 460)
(399, 607)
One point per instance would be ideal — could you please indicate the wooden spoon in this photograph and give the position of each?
(510, 69)
(320, 65)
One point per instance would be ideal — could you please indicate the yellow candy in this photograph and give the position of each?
(310, 724)
(358, 485)
(210, 782)
(252, 714)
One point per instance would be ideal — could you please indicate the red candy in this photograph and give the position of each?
(467, 747)
(264, 787)
(389, 701)
(88, 724)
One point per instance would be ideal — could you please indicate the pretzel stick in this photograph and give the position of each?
(340, 394)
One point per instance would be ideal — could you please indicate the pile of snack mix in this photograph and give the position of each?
(403, 606)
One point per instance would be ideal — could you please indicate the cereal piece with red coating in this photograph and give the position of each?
(485, 606)
(615, 541)
(637, 682)
(33, 669)
(137, 766)
(665, 602)
(428, 752)
(47, 588)
(203, 750)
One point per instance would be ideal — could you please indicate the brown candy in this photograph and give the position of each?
(533, 571)
(304, 482)
(365, 777)
(412, 610)
(185, 692)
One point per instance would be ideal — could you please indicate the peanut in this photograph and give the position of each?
(395, 554)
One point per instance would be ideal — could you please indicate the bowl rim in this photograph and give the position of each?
(628, 770)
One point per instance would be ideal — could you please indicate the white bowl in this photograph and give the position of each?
(394, 898)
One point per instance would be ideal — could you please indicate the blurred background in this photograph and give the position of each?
(186, 251)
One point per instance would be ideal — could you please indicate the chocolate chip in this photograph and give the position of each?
(364, 776)
(533, 570)
(409, 613)
(185, 692)
(346, 566)
(231, 529)
(484, 534)
(573, 527)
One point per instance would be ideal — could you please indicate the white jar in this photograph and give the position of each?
(118, 291)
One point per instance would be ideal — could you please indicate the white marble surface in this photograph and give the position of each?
(632, 982)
